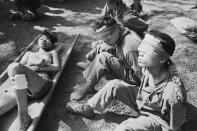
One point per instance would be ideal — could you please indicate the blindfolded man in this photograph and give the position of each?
(121, 64)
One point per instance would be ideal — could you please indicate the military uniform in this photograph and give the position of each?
(161, 107)
(122, 64)
(127, 17)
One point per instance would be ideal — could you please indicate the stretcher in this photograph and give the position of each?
(36, 107)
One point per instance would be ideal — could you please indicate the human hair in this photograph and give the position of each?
(51, 35)
(166, 42)
(103, 21)
(118, 3)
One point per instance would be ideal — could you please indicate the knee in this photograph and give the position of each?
(128, 125)
(91, 55)
(122, 127)
(15, 68)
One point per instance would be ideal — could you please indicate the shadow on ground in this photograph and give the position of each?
(59, 17)
(73, 17)
(190, 124)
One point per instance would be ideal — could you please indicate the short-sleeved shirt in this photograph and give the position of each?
(126, 51)
(164, 102)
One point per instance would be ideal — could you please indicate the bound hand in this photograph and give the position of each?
(37, 62)
(43, 63)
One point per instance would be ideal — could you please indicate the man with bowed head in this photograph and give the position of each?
(116, 53)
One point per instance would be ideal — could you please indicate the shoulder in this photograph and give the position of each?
(132, 36)
(53, 52)
(131, 41)
(175, 90)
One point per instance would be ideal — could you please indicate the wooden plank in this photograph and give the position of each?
(35, 108)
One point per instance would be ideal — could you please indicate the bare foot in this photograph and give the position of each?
(82, 65)
(21, 124)
(24, 123)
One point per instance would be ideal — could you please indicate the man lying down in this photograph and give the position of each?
(30, 79)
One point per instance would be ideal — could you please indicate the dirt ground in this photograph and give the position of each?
(73, 17)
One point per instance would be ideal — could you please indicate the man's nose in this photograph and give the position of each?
(141, 53)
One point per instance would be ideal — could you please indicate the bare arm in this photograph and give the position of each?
(25, 58)
(55, 66)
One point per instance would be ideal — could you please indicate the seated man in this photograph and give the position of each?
(114, 8)
(122, 64)
(117, 8)
(128, 17)
(26, 10)
(100, 45)
(160, 99)
(30, 78)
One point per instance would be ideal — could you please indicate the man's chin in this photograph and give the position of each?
(46, 49)
(142, 65)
